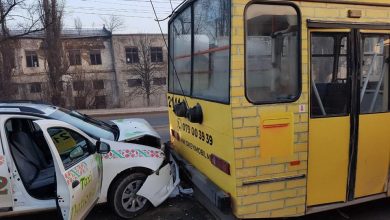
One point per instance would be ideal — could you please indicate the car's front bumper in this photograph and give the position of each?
(159, 185)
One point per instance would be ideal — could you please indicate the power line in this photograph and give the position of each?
(158, 1)
(115, 10)
(170, 2)
(122, 4)
(91, 13)
(169, 56)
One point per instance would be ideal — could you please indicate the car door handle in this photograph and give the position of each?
(75, 183)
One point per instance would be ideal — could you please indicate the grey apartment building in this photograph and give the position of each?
(103, 70)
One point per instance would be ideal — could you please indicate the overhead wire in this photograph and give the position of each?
(97, 11)
(170, 1)
(173, 11)
(91, 9)
(124, 4)
(169, 55)
(158, 1)
(104, 14)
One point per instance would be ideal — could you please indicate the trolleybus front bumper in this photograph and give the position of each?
(215, 195)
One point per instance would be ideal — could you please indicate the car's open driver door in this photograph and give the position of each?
(77, 165)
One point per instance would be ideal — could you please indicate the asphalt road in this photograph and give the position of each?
(172, 209)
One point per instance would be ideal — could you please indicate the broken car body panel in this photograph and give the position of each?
(127, 157)
(134, 128)
(160, 184)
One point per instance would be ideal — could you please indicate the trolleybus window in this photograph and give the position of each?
(272, 40)
(180, 53)
(329, 74)
(204, 71)
(374, 87)
(211, 50)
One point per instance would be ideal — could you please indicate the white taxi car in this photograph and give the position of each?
(49, 164)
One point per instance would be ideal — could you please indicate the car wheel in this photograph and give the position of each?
(123, 197)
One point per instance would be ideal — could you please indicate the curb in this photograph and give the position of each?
(123, 111)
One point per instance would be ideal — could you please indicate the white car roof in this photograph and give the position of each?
(27, 107)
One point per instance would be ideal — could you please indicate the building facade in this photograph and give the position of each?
(102, 70)
(141, 68)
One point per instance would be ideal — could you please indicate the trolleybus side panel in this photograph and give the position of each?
(277, 154)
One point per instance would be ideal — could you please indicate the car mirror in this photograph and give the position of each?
(102, 147)
(76, 153)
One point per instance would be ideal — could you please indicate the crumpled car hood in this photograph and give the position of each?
(134, 128)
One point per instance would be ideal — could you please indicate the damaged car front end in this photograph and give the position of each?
(135, 176)
(159, 185)
(137, 131)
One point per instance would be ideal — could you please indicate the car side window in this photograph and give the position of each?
(71, 146)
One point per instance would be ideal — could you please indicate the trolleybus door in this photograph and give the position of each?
(349, 141)
(329, 125)
(374, 118)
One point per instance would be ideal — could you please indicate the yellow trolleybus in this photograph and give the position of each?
(281, 108)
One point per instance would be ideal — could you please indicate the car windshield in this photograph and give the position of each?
(93, 127)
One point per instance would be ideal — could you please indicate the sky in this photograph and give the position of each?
(137, 15)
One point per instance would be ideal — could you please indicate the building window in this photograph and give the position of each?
(61, 87)
(132, 55)
(74, 57)
(80, 102)
(11, 59)
(14, 88)
(272, 53)
(156, 54)
(160, 81)
(35, 88)
(98, 84)
(134, 82)
(78, 85)
(100, 102)
(96, 57)
(32, 59)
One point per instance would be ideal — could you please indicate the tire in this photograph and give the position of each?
(123, 199)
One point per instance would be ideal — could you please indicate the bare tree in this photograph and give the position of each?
(85, 89)
(57, 65)
(78, 25)
(21, 15)
(113, 23)
(145, 70)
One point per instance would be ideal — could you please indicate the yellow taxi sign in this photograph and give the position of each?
(63, 141)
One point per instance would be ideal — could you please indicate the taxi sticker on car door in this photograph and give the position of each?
(63, 141)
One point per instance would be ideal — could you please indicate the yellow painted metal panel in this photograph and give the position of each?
(198, 141)
(375, 31)
(373, 154)
(328, 160)
(277, 134)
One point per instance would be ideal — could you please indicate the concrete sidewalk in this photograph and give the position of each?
(124, 111)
